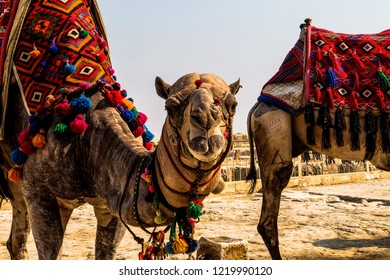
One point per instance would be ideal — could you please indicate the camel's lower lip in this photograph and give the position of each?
(205, 146)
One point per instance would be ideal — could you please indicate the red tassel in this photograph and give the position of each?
(336, 65)
(383, 59)
(328, 99)
(380, 100)
(353, 102)
(317, 94)
(359, 65)
(78, 125)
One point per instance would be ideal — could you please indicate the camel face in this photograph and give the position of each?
(200, 108)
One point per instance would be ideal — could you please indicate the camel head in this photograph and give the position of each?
(200, 111)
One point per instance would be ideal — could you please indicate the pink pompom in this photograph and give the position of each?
(78, 125)
(84, 85)
(72, 19)
(24, 136)
(142, 118)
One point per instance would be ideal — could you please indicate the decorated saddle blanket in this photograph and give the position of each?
(333, 69)
(347, 70)
(54, 44)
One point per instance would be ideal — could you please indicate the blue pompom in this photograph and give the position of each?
(69, 68)
(124, 93)
(81, 104)
(147, 136)
(18, 157)
(33, 127)
(53, 48)
(101, 82)
(43, 63)
(127, 115)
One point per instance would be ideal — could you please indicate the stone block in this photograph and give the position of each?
(222, 248)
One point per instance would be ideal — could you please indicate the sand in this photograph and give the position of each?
(349, 221)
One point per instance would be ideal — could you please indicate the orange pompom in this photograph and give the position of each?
(127, 104)
(15, 174)
(39, 139)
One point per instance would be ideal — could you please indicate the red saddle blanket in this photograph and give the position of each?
(347, 70)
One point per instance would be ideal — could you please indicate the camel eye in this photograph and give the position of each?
(231, 104)
(171, 106)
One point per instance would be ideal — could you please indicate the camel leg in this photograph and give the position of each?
(109, 234)
(20, 227)
(46, 224)
(272, 135)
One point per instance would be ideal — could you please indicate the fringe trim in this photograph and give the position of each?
(354, 129)
(339, 126)
(325, 122)
(310, 123)
(384, 125)
(371, 129)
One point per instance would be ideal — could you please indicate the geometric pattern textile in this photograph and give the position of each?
(285, 88)
(348, 70)
(65, 35)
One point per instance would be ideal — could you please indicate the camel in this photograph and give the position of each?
(277, 134)
(107, 163)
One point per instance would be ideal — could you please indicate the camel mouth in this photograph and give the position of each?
(206, 148)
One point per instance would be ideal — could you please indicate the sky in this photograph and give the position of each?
(246, 39)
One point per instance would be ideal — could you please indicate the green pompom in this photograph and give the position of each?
(194, 211)
(83, 33)
(135, 111)
(61, 130)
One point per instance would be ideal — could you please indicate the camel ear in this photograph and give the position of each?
(235, 87)
(162, 88)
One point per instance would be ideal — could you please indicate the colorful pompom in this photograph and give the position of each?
(18, 157)
(141, 118)
(114, 97)
(138, 132)
(127, 115)
(39, 139)
(24, 136)
(27, 147)
(83, 33)
(61, 130)
(81, 105)
(78, 125)
(148, 145)
(128, 104)
(63, 110)
(69, 68)
(15, 174)
(147, 136)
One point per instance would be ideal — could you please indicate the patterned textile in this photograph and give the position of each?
(348, 70)
(285, 88)
(60, 45)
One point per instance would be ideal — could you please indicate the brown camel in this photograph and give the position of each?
(107, 166)
(278, 135)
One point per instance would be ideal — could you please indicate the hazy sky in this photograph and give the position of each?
(246, 39)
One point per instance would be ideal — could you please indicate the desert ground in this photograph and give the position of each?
(348, 221)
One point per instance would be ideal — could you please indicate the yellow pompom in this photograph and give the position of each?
(179, 246)
(39, 139)
(35, 53)
(127, 104)
(49, 100)
(15, 174)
